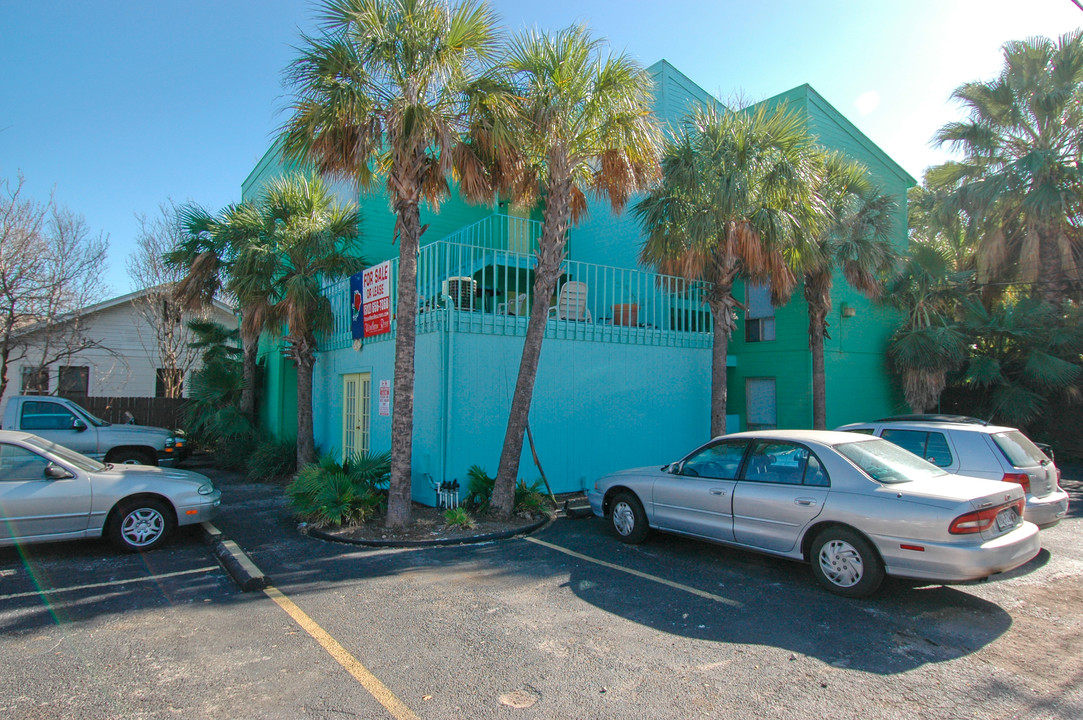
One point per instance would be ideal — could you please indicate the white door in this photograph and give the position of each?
(356, 400)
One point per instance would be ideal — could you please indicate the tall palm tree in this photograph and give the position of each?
(381, 91)
(856, 238)
(575, 119)
(1020, 174)
(736, 189)
(311, 237)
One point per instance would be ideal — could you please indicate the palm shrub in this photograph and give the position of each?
(458, 517)
(273, 458)
(329, 492)
(529, 499)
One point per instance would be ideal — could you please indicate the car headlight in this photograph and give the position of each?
(206, 488)
(170, 441)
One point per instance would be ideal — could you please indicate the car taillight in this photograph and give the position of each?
(1020, 478)
(979, 520)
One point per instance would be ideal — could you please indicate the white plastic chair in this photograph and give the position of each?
(572, 303)
(517, 306)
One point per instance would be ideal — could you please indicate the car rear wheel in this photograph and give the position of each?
(845, 563)
(140, 525)
(627, 519)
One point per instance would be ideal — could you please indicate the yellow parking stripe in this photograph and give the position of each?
(369, 681)
(637, 573)
(111, 583)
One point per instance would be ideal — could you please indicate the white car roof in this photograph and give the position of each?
(932, 425)
(824, 437)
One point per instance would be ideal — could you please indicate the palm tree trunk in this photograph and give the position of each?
(402, 414)
(248, 391)
(818, 296)
(305, 357)
(719, 371)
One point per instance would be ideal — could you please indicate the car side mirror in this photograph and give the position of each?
(674, 468)
(55, 472)
(78, 425)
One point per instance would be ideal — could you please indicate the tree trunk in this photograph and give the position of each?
(248, 391)
(555, 223)
(818, 296)
(719, 371)
(402, 414)
(305, 357)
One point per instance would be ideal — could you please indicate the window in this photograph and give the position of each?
(760, 318)
(777, 462)
(721, 460)
(73, 381)
(931, 446)
(168, 383)
(17, 464)
(35, 381)
(760, 403)
(41, 415)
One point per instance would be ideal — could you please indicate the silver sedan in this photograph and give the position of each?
(48, 492)
(854, 507)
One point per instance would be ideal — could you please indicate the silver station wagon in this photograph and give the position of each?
(854, 507)
(48, 492)
(968, 446)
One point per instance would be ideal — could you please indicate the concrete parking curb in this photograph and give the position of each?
(234, 560)
(525, 530)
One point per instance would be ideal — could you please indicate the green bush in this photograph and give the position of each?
(331, 493)
(529, 500)
(458, 517)
(273, 458)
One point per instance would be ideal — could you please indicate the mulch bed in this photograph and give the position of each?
(427, 525)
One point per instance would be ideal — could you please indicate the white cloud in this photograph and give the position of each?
(867, 102)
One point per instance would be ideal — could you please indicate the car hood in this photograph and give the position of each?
(956, 489)
(639, 472)
(151, 474)
(143, 430)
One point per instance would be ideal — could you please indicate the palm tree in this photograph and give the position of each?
(575, 120)
(736, 189)
(311, 237)
(381, 89)
(928, 344)
(855, 238)
(215, 258)
(1019, 175)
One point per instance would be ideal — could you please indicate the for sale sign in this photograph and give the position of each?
(376, 299)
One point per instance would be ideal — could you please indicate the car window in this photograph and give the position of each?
(17, 464)
(776, 462)
(43, 415)
(69, 456)
(937, 450)
(815, 473)
(911, 440)
(718, 460)
(1018, 448)
(886, 462)
(861, 431)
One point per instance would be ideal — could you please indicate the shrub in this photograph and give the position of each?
(331, 493)
(458, 517)
(479, 495)
(273, 458)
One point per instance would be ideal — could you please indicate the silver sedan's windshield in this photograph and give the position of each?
(887, 462)
(69, 456)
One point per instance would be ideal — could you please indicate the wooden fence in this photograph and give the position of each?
(159, 412)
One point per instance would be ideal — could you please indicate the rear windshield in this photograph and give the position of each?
(1018, 448)
(888, 463)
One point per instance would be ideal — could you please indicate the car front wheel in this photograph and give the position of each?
(627, 519)
(845, 563)
(141, 525)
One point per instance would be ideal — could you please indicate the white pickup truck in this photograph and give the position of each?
(65, 423)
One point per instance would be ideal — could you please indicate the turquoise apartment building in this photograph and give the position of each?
(624, 377)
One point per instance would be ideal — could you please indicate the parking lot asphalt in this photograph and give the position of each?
(567, 623)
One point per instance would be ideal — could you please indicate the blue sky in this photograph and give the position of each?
(119, 105)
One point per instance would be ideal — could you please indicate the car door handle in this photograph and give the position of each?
(718, 491)
(804, 501)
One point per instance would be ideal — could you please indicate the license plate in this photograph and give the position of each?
(1006, 519)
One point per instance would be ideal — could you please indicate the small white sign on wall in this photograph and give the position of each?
(385, 398)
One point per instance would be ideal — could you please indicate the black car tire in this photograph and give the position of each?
(140, 525)
(627, 519)
(845, 563)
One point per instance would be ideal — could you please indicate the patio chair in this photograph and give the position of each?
(518, 306)
(572, 303)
